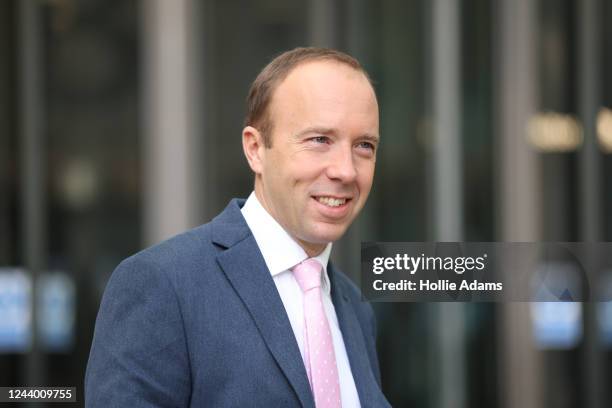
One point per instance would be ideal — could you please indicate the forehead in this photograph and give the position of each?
(323, 84)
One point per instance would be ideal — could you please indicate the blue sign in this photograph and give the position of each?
(604, 309)
(15, 310)
(557, 325)
(56, 311)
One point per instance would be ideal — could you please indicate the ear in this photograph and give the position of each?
(253, 147)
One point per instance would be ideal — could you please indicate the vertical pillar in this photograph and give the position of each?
(169, 141)
(518, 193)
(32, 151)
(590, 198)
(7, 238)
(448, 189)
(589, 79)
(322, 27)
(448, 148)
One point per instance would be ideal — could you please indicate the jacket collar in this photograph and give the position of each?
(245, 268)
(229, 227)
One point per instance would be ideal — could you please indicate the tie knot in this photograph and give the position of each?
(308, 274)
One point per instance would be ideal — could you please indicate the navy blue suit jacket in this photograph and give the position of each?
(196, 321)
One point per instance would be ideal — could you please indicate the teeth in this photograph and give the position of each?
(332, 202)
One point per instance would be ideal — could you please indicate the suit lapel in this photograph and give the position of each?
(353, 341)
(246, 270)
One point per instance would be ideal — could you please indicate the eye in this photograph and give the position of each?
(320, 139)
(366, 145)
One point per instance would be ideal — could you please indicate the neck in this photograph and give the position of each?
(311, 249)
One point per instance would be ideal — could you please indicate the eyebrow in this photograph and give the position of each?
(331, 131)
(371, 138)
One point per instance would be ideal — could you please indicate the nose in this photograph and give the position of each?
(341, 166)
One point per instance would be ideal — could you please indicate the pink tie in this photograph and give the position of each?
(319, 348)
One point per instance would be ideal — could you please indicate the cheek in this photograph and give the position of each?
(304, 172)
(288, 182)
(365, 177)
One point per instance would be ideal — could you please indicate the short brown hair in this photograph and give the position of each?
(263, 87)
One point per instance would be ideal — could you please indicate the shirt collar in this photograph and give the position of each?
(279, 249)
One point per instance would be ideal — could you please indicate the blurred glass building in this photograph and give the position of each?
(120, 126)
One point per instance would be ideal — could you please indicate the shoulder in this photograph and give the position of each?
(175, 264)
(193, 250)
(185, 245)
(159, 267)
(170, 258)
(225, 229)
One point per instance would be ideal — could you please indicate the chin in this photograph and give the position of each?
(326, 235)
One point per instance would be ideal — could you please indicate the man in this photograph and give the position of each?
(246, 311)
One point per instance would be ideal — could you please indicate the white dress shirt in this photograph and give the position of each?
(281, 253)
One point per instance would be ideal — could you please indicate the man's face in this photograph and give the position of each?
(317, 175)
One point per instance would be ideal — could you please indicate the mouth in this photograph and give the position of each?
(333, 209)
(332, 202)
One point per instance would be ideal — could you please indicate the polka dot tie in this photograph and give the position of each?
(320, 359)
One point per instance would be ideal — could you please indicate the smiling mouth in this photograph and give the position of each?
(332, 201)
